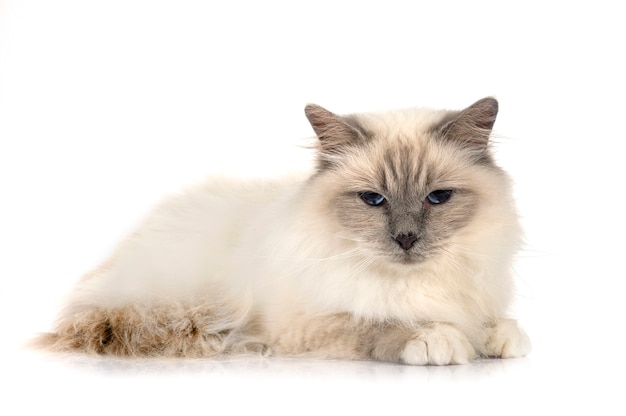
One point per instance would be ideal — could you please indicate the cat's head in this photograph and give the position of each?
(406, 186)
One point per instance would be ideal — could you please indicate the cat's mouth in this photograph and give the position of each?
(410, 257)
(415, 255)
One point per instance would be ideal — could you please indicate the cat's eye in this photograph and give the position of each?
(439, 196)
(372, 198)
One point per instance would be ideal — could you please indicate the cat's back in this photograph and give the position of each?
(219, 202)
(186, 244)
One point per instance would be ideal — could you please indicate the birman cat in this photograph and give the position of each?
(398, 246)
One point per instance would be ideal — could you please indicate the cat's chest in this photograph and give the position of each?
(372, 296)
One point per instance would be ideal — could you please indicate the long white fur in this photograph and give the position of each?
(266, 249)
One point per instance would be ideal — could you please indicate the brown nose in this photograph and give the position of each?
(406, 241)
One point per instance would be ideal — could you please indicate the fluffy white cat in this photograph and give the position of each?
(397, 247)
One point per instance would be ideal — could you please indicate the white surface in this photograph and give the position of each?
(107, 106)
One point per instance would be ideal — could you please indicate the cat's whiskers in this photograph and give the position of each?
(343, 237)
(345, 255)
(451, 259)
(343, 263)
(471, 250)
(316, 260)
(362, 265)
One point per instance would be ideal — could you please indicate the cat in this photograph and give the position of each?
(398, 247)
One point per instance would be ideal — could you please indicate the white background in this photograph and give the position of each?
(106, 106)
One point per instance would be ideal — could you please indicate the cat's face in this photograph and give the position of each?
(403, 185)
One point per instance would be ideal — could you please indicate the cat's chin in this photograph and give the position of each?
(396, 260)
(407, 260)
(400, 267)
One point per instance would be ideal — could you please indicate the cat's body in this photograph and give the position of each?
(398, 247)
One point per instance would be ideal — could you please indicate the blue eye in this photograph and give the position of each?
(372, 198)
(439, 196)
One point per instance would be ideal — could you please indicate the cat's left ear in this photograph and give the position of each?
(472, 126)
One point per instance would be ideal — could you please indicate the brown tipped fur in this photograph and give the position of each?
(345, 337)
(335, 133)
(331, 280)
(166, 330)
(175, 331)
(472, 126)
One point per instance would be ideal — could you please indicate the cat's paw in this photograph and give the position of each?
(438, 344)
(507, 340)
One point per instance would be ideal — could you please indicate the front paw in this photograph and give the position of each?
(507, 340)
(437, 344)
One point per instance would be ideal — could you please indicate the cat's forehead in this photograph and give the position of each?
(402, 125)
(404, 154)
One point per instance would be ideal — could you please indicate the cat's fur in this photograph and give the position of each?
(304, 265)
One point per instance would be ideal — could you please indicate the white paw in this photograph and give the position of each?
(438, 344)
(507, 340)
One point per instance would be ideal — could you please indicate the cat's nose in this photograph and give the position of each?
(406, 241)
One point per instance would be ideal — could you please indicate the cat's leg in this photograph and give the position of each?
(342, 336)
(505, 339)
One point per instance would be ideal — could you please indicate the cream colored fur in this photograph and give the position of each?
(234, 266)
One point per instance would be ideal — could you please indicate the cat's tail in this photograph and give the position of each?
(164, 330)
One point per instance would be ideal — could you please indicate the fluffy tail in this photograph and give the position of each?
(172, 330)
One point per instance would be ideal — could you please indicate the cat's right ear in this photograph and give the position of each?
(335, 133)
(472, 126)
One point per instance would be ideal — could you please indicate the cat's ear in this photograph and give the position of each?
(334, 132)
(472, 126)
